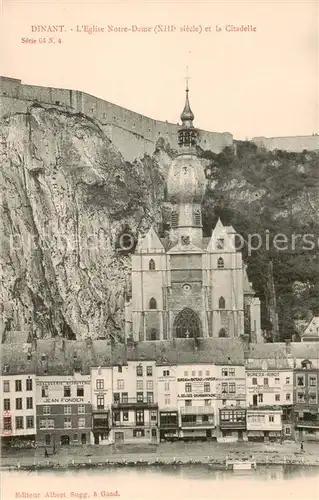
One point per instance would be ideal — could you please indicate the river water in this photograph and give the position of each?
(193, 482)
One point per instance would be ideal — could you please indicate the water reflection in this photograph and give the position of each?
(192, 482)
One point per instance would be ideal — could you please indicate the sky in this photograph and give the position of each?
(251, 83)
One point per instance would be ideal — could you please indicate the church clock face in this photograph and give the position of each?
(186, 288)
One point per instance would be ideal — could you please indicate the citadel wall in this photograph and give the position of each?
(294, 144)
(132, 133)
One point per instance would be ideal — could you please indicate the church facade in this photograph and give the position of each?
(186, 285)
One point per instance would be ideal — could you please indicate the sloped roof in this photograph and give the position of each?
(272, 364)
(267, 350)
(15, 337)
(188, 351)
(15, 356)
(301, 325)
(305, 350)
(63, 357)
(312, 329)
(247, 287)
(275, 355)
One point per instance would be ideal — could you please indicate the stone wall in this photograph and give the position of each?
(132, 133)
(294, 144)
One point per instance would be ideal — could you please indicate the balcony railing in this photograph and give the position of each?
(232, 425)
(198, 424)
(134, 402)
(307, 423)
(170, 425)
(132, 423)
(100, 425)
(100, 410)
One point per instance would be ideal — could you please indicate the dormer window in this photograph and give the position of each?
(6, 368)
(29, 356)
(306, 363)
(220, 263)
(151, 265)
(43, 357)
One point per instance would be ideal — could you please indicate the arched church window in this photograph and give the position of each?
(220, 263)
(153, 334)
(153, 304)
(197, 218)
(222, 333)
(187, 324)
(151, 265)
(174, 219)
(221, 303)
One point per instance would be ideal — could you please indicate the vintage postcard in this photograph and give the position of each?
(159, 286)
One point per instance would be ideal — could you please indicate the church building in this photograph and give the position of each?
(186, 285)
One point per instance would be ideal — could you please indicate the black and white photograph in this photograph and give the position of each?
(159, 250)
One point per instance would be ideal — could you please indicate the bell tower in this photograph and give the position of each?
(186, 183)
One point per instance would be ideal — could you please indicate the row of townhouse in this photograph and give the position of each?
(61, 392)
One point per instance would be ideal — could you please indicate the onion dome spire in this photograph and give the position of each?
(187, 115)
(187, 135)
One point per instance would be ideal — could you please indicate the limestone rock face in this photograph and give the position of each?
(66, 196)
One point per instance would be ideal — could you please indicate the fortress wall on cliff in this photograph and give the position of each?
(132, 133)
(294, 144)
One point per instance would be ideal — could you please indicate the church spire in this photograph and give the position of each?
(187, 135)
(187, 115)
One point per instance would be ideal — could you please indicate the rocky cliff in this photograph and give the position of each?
(67, 195)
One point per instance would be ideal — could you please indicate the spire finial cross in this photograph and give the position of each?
(187, 78)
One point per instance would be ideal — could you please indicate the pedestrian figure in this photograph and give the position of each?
(46, 454)
(301, 447)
